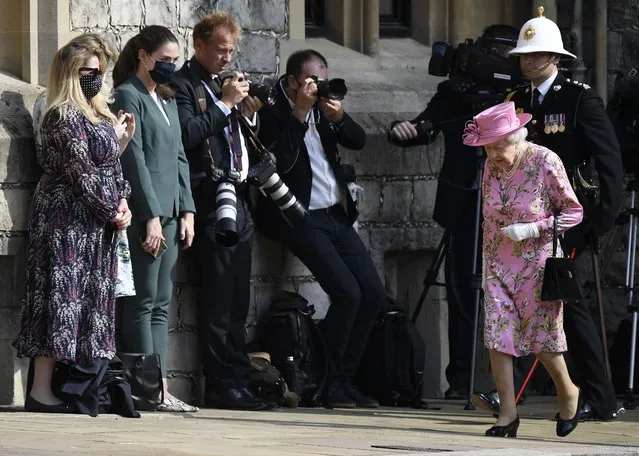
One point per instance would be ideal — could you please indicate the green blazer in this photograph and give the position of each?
(154, 162)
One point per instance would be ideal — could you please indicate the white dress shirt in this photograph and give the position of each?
(544, 87)
(227, 131)
(324, 189)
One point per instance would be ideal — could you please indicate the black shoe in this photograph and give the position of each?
(565, 427)
(455, 393)
(32, 405)
(487, 401)
(587, 413)
(234, 399)
(510, 430)
(361, 400)
(335, 397)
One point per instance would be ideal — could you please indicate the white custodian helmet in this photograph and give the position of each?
(540, 34)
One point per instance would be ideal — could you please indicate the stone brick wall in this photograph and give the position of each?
(18, 176)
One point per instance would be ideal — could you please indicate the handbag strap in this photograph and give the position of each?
(554, 234)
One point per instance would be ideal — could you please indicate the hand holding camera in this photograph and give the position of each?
(332, 109)
(234, 90)
(306, 99)
(250, 106)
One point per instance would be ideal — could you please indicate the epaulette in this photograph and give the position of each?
(577, 83)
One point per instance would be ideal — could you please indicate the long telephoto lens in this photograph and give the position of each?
(226, 215)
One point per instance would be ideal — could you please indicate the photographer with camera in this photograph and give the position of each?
(219, 163)
(456, 101)
(304, 128)
(569, 118)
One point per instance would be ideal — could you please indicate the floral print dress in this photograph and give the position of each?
(69, 307)
(516, 321)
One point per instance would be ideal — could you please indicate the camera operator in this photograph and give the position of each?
(448, 111)
(569, 118)
(216, 150)
(304, 129)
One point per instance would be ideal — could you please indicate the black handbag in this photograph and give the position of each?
(143, 372)
(560, 279)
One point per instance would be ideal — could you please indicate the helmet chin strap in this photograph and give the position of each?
(530, 75)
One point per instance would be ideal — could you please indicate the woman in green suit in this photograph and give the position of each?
(155, 165)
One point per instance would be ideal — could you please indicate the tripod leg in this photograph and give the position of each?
(629, 401)
(431, 274)
(475, 281)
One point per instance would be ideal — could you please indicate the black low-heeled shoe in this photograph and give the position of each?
(510, 430)
(34, 406)
(565, 427)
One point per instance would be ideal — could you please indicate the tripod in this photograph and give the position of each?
(476, 285)
(633, 307)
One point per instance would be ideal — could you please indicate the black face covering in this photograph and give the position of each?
(90, 84)
(162, 72)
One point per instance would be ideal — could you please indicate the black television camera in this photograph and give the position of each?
(477, 63)
(623, 110)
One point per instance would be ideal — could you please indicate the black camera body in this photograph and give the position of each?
(332, 89)
(266, 93)
(475, 62)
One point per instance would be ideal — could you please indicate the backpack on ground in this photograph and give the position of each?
(392, 367)
(296, 347)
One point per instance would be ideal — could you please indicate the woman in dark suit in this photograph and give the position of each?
(162, 204)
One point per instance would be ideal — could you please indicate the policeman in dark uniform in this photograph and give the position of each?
(448, 111)
(569, 118)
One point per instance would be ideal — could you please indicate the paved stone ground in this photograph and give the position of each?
(304, 432)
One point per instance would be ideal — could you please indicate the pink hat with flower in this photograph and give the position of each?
(493, 124)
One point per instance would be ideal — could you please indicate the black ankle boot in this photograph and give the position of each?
(510, 430)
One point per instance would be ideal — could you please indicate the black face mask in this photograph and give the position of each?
(162, 72)
(90, 84)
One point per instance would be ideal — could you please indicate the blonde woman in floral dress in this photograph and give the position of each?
(524, 185)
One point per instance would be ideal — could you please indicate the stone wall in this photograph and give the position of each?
(18, 176)
(263, 24)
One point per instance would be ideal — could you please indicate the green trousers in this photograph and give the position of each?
(144, 322)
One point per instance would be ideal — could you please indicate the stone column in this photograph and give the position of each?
(30, 41)
(601, 48)
(371, 27)
(460, 20)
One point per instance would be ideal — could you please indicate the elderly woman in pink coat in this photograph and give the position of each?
(525, 187)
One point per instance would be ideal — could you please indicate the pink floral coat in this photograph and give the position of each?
(516, 321)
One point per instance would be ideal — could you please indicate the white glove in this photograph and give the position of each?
(520, 231)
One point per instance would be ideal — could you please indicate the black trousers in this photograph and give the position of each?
(332, 250)
(584, 343)
(223, 301)
(461, 298)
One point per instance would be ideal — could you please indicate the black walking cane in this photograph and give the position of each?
(595, 248)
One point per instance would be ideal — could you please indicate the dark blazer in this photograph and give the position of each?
(587, 135)
(283, 134)
(154, 162)
(449, 110)
(198, 126)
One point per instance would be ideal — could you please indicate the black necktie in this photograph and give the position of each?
(535, 99)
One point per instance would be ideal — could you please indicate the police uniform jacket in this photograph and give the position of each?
(572, 122)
